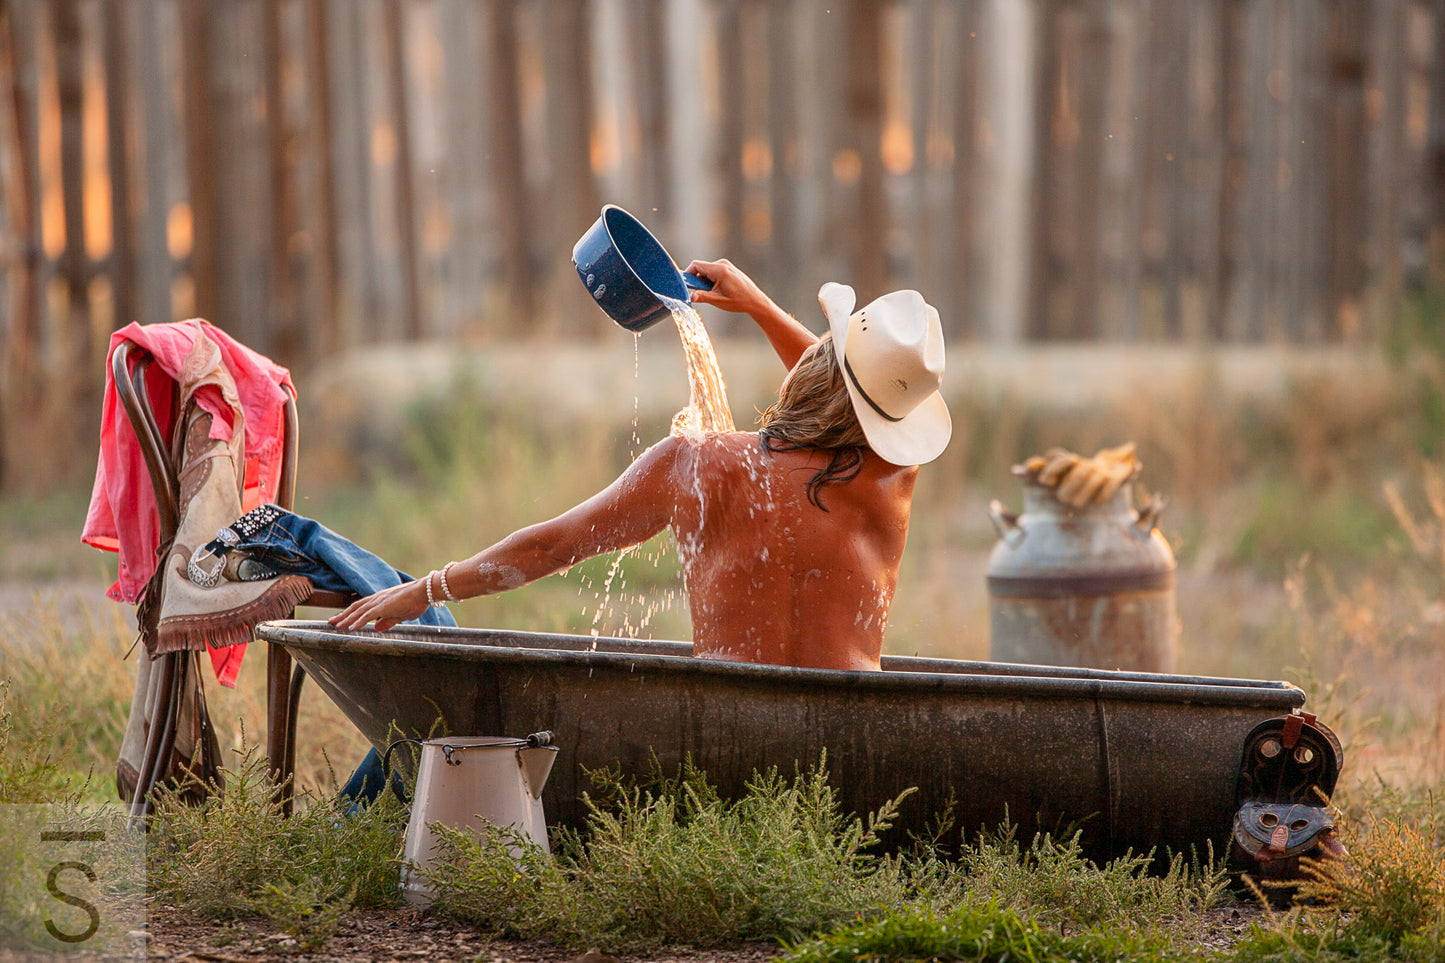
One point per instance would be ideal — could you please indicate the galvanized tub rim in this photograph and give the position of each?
(899, 672)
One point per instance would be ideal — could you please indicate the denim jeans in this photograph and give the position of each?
(297, 545)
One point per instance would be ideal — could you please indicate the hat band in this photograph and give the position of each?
(864, 395)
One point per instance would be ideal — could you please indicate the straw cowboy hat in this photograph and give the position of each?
(891, 353)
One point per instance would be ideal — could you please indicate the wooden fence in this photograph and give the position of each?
(316, 174)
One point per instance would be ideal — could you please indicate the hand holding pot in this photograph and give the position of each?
(732, 290)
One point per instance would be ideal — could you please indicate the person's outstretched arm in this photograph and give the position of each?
(734, 291)
(632, 509)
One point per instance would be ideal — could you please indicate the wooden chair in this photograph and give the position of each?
(130, 365)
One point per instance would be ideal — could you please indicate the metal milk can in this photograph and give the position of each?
(1090, 586)
(473, 781)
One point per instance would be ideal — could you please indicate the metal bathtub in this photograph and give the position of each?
(1137, 761)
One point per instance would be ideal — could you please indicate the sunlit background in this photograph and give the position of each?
(314, 175)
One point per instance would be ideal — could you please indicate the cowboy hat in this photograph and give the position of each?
(891, 353)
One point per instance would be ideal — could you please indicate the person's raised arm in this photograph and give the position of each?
(733, 290)
(632, 509)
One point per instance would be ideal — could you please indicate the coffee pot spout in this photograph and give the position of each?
(536, 760)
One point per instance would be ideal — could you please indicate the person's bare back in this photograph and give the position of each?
(773, 578)
(790, 538)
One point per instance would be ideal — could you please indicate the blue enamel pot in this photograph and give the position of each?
(628, 272)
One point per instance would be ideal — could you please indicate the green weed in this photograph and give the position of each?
(779, 863)
(237, 854)
(306, 909)
(683, 867)
(1294, 942)
(495, 879)
(1386, 900)
(27, 774)
(675, 864)
(1051, 881)
(1391, 886)
(984, 933)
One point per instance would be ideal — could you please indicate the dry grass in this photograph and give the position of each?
(72, 685)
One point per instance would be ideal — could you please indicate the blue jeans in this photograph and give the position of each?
(296, 545)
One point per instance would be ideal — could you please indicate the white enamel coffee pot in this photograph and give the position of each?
(472, 782)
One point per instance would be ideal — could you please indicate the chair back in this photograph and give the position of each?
(130, 388)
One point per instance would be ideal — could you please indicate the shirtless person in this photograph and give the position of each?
(790, 537)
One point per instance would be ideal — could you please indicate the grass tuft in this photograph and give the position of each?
(1386, 900)
(1051, 881)
(682, 866)
(985, 933)
(306, 909)
(236, 854)
(27, 774)
(1392, 885)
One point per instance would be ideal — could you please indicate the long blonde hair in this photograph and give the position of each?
(813, 410)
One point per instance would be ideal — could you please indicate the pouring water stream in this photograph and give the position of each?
(707, 410)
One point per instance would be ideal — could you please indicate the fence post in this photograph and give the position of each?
(75, 264)
(200, 154)
(1435, 161)
(22, 331)
(118, 156)
(864, 98)
(155, 265)
(507, 152)
(1042, 267)
(730, 124)
(572, 201)
(321, 296)
(789, 287)
(394, 37)
(288, 335)
(19, 335)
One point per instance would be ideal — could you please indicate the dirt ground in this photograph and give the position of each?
(365, 936)
(409, 934)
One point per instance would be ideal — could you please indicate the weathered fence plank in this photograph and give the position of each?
(119, 160)
(508, 169)
(153, 258)
(23, 329)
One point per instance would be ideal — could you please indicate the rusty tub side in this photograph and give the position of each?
(1136, 760)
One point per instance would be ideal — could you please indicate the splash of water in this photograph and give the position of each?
(707, 403)
(606, 603)
(636, 395)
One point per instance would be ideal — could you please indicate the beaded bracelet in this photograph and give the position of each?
(430, 600)
(446, 590)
